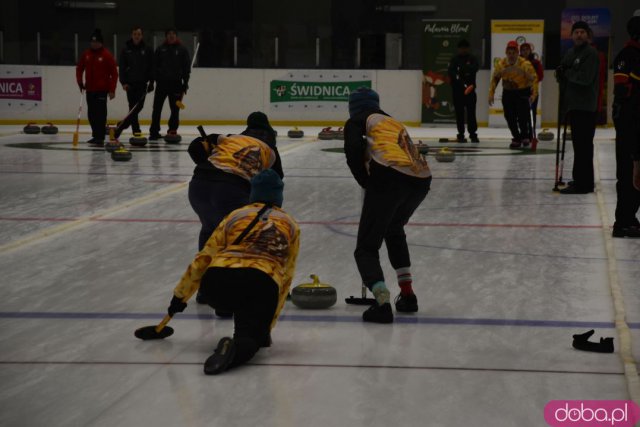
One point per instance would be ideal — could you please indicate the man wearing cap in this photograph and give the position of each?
(626, 118)
(224, 166)
(396, 179)
(100, 80)
(246, 267)
(171, 72)
(519, 90)
(578, 78)
(462, 75)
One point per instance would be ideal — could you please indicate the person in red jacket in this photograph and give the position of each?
(100, 80)
(527, 53)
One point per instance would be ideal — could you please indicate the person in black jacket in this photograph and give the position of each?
(462, 75)
(626, 114)
(171, 71)
(135, 64)
(224, 168)
(395, 179)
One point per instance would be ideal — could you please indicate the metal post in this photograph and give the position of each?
(75, 46)
(195, 50)
(276, 52)
(317, 51)
(358, 52)
(37, 47)
(235, 51)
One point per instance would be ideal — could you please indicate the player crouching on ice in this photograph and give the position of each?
(396, 179)
(246, 267)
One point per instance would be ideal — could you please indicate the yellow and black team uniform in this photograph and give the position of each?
(224, 166)
(250, 278)
(519, 82)
(626, 118)
(396, 179)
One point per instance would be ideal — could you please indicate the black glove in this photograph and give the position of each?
(176, 306)
(150, 87)
(559, 73)
(81, 86)
(185, 86)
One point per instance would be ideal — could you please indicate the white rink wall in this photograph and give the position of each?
(229, 95)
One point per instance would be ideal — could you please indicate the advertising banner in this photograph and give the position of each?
(522, 31)
(599, 20)
(318, 90)
(440, 44)
(20, 88)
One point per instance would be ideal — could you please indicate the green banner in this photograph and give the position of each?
(440, 43)
(303, 91)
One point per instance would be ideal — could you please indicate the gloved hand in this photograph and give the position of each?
(185, 86)
(150, 87)
(559, 73)
(176, 306)
(81, 86)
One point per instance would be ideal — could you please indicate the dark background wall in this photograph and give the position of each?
(297, 24)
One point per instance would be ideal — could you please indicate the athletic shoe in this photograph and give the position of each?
(378, 314)
(95, 142)
(406, 303)
(221, 358)
(632, 231)
(572, 189)
(155, 137)
(225, 314)
(474, 138)
(525, 142)
(515, 143)
(460, 138)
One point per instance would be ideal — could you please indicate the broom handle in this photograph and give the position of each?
(163, 323)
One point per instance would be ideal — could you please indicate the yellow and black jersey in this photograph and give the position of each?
(389, 144)
(520, 75)
(271, 246)
(242, 155)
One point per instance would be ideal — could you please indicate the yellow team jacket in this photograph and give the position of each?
(520, 75)
(389, 144)
(242, 155)
(271, 246)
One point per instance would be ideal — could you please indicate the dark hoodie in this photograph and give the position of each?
(626, 90)
(135, 63)
(172, 63)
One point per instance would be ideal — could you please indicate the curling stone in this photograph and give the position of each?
(295, 133)
(326, 134)
(545, 135)
(172, 138)
(339, 134)
(423, 148)
(137, 140)
(445, 155)
(314, 295)
(112, 146)
(443, 140)
(49, 129)
(31, 129)
(121, 155)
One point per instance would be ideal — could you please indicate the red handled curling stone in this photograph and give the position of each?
(49, 129)
(31, 129)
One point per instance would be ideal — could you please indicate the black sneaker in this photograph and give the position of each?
(406, 303)
(221, 358)
(632, 231)
(155, 137)
(461, 138)
(572, 189)
(378, 314)
(96, 142)
(474, 138)
(225, 314)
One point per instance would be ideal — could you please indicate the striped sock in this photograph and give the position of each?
(381, 293)
(404, 280)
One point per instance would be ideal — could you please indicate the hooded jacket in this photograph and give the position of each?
(135, 63)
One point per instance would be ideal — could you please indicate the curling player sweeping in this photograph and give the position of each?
(246, 268)
(396, 179)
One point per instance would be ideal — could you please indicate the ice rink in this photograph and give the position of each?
(505, 271)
